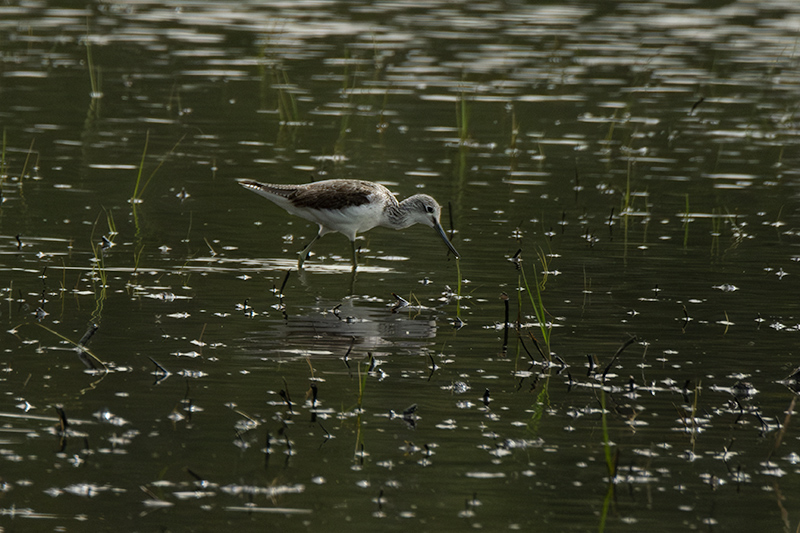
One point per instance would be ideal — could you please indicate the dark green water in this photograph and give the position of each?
(642, 156)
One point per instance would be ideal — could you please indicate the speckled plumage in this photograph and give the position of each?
(350, 207)
(329, 194)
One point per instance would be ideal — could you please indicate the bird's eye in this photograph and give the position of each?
(429, 208)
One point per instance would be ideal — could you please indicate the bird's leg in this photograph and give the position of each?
(355, 256)
(304, 251)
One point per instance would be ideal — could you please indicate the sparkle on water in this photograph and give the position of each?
(642, 156)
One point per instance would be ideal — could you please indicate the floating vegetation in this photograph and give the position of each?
(225, 388)
(287, 103)
(537, 301)
(95, 74)
(140, 185)
(462, 118)
(3, 164)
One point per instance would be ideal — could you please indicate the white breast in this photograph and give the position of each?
(348, 221)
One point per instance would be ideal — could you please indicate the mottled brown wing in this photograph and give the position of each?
(333, 195)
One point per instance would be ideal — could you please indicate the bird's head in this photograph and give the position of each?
(424, 209)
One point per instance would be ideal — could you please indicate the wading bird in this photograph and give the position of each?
(350, 207)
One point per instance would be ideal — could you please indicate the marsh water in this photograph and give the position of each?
(614, 350)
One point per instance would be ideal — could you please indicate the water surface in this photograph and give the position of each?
(639, 158)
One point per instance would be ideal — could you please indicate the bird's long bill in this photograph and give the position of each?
(440, 230)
